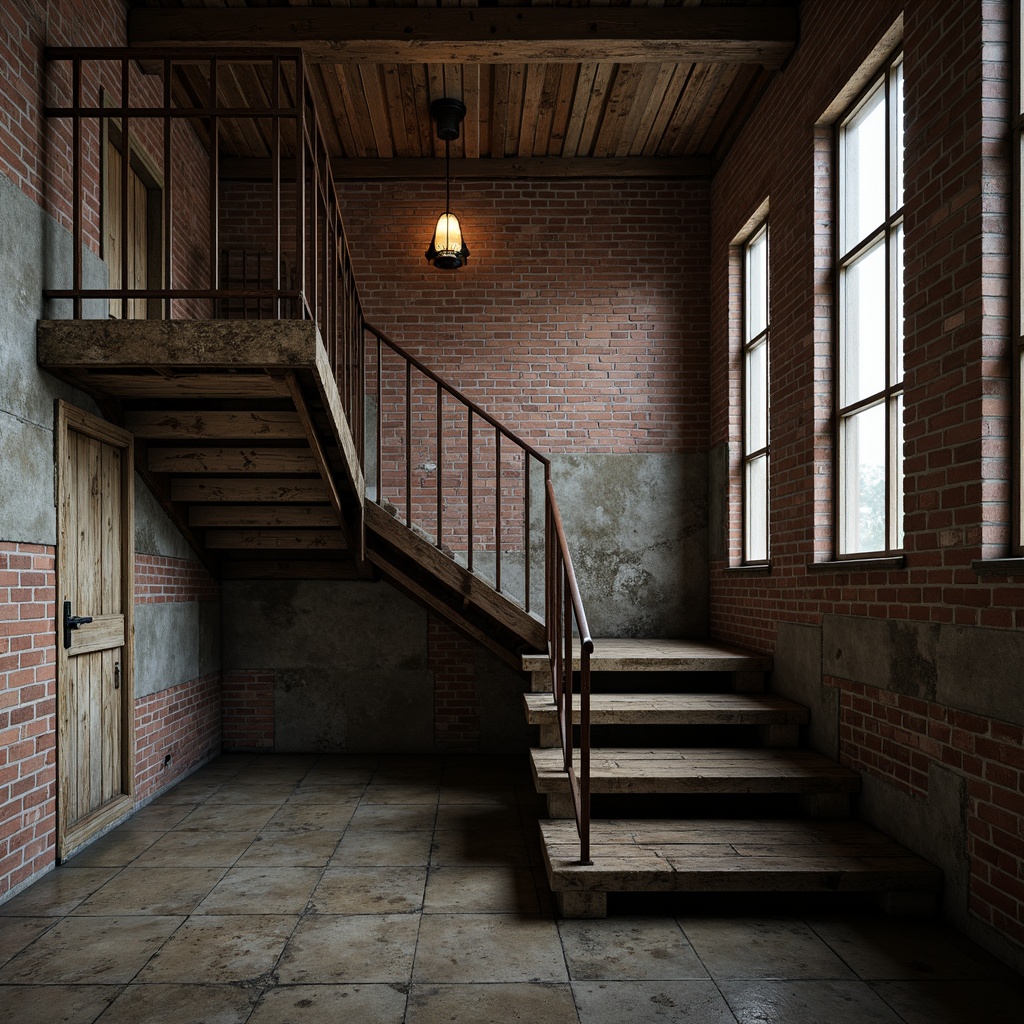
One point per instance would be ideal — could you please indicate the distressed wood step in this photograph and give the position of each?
(672, 709)
(758, 855)
(628, 655)
(698, 770)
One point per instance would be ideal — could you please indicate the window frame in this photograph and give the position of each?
(747, 345)
(890, 396)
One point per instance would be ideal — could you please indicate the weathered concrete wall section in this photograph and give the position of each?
(350, 663)
(155, 534)
(927, 712)
(351, 671)
(34, 253)
(175, 643)
(797, 676)
(637, 530)
(177, 640)
(980, 671)
(718, 502)
(499, 691)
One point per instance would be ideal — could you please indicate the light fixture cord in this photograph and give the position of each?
(447, 178)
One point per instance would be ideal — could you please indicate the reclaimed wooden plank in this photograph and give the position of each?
(262, 516)
(214, 424)
(231, 460)
(276, 540)
(233, 489)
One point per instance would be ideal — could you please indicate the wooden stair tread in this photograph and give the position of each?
(698, 770)
(673, 709)
(733, 856)
(630, 655)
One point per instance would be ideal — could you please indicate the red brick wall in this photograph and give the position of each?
(451, 657)
(28, 712)
(247, 709)
(579, 320)
(957, 400)
(899, 737)
(957, 391)
(160, 579)
(176, 730)
(25, 30)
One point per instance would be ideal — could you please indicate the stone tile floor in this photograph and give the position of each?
(377, 890)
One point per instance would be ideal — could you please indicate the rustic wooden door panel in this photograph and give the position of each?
(95, 738)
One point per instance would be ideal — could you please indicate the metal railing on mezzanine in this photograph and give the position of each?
(138, 141)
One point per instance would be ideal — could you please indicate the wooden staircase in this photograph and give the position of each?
(241, 435)
(679, 818)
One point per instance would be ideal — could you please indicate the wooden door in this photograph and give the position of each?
(95, 565)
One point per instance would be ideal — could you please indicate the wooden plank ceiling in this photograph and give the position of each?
(644, 87)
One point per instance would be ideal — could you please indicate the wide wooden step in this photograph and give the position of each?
(698, 770)
(761, 855)
(629, 655)
(672, 709)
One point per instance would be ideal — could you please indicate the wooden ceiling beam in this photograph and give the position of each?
(495, 169)
(475, 35)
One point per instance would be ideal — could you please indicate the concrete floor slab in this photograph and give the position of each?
(628, 949)
(484, 946)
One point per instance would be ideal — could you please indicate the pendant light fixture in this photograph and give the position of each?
(447, 249)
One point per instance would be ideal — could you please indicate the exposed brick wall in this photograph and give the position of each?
(178, 728)
(957, 397)
(28, 26)
(247, 709)
(28, 712)
(159, 579)
(957, 390)
(580, 318)
(175, 731)
(451, 658)
(897, 738)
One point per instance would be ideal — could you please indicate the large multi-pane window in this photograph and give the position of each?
(755, 397)
(870, 283)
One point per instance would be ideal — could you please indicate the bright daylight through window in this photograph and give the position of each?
(755, 397)
(870, 276)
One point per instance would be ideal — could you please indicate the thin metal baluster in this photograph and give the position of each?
(300, 188)
(168, 307)
(214, 180)
(275, 201)
(126, 157)
(440, 449)
(526, 529)
(408, 444)
(380, 424)
(566, 606)
(584, 822)
(469, 420)
(497, 510)
(76, 184)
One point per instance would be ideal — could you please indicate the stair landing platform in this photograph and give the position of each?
(721, 855)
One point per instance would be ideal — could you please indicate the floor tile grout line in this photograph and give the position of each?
(272, 972)
(714, 980)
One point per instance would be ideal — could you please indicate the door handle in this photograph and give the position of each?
(72, 622)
